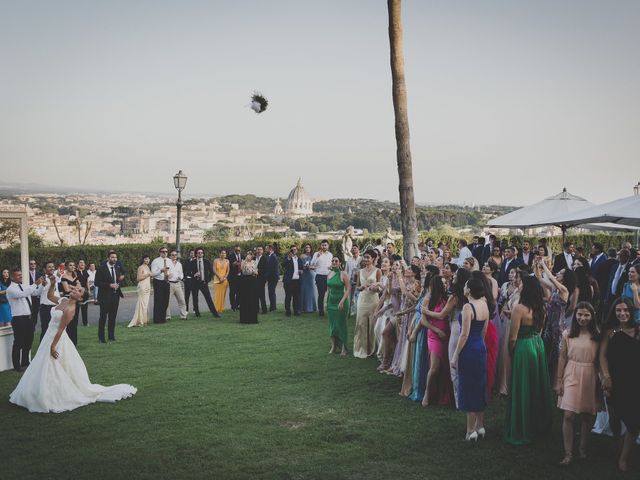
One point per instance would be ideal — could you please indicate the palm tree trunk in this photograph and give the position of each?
(405, 170)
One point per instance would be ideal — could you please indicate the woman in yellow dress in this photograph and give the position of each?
(220, 282)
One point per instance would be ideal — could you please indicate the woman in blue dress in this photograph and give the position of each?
(470, 358)
(308, 283)
(5, 308)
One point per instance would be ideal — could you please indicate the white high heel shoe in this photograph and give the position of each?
(471, 437)
(481, 432)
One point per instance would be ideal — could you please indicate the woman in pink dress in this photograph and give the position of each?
(439, 390)
(577, 375)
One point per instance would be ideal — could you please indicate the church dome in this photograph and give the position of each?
(299, 202)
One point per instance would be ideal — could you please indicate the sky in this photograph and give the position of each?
(509, 102)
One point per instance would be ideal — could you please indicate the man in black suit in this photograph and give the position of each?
(478, 250)
(510, 262)
(488, 249)
(34, 275)
(187, 279)
(293, 266)
(619, 276)
(261, 263)
(526, 256)
(235, 274)
(109, 278)
(201, 273)
(564, 260)
(273, 274)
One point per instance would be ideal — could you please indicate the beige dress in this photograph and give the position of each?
(364, 339)
(141, 315)
(580, 375)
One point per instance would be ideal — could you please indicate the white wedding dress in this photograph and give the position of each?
(62, 384)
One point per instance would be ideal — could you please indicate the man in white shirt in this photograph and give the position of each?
(352, 268)
(45, 304)
(321, 263)
(161, 290)
(464, 253)
(19, 297)
(176, 286)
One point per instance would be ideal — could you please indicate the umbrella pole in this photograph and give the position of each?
(564, 234)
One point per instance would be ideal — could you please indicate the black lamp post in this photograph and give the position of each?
(179, 181)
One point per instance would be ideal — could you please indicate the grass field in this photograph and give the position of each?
(220, 400)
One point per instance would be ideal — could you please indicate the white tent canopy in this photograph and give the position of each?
(539, 213)
(624, 211)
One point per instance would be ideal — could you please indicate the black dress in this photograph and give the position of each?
(623, 356)
(248, 286)
(72, 327)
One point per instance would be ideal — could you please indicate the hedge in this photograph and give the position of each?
(130, 254)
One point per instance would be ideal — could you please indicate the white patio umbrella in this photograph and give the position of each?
(545, 212)
(624, 211)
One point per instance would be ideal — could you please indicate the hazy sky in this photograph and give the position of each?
(508, 101)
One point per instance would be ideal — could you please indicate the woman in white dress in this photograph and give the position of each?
(141, 315)
(57, 379)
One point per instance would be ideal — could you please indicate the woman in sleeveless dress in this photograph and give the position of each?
(529, 409)
(561, 287)
(308, 300)
(220, 280)
(412, 279)
(410, 294)
(339, 287)
(248, 290)
(470, 358)
(389, 332)
(143, 277)
(5, 308)
(57, 379)
(363, 335)
(619, 360)
(509, 295)
(384, 307)
(576, 387)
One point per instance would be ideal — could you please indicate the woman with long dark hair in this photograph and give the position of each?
(619, 360)
(5, 308)
(470, 358)
(561, 286)
(491, 335)
(529, 405)
(68, 281)
(438, 388)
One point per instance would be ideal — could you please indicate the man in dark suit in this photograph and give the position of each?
(510, 262)
(598, 258)
(109, 279)
(478, 250)
(273, 275)
(293, 266)
(201, 273)
(619, 276)
(488, 248)
(187, 279)
(564, 260)
(235, 264)
(526, 256)
(34, 275)
(261, 263)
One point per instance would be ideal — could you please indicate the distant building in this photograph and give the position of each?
(299, 203)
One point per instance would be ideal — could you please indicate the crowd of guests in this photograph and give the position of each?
(501, 318)
(507, 319)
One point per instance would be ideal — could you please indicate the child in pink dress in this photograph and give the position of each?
(577, 378)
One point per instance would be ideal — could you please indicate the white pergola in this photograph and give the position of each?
(6, 333)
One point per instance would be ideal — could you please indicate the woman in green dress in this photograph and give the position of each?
(529, 406)
(339, 286)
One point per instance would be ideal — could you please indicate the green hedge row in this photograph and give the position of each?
(130, 254)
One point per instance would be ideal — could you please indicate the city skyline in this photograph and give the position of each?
(508, 104)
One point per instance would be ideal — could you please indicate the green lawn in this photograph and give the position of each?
(220, 400)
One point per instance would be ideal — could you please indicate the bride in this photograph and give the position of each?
(57, 379)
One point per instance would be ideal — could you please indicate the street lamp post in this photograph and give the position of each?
(179, 181)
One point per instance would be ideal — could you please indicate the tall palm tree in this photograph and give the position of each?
(403, 155)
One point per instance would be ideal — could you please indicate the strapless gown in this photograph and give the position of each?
(58, 385)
